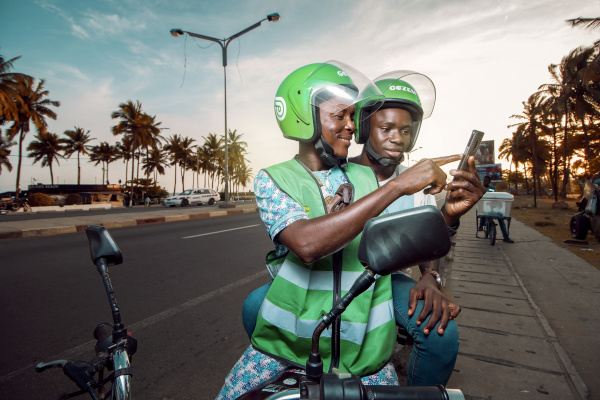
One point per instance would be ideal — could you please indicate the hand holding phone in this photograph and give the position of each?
(470, 150)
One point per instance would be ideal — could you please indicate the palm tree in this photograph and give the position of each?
(47, 148)
(35, 107)
(5, 145)
(77, 142)
(124, 153)
(155, 163)
(528, 129)
(213, 153)
(141, 130)
(173, 149)
(10, 99)
(243, 176)
(186, 158)
(104, 153)
(236, 153)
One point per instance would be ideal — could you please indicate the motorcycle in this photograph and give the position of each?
(114, 345)
(389, 244)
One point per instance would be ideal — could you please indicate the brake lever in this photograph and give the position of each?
(41, 367)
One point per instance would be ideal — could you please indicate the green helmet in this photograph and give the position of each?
(300, 95)
(408, 90)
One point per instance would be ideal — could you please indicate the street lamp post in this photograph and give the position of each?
(408, 154)
(224, 43)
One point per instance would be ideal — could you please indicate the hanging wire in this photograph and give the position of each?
(238, 59)
(184, 59)
(185, 55)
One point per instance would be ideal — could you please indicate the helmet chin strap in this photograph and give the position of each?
(327, 155)
(386, 162)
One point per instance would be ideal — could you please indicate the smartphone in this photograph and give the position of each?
(470, 150)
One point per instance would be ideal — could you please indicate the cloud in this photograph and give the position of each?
(76, 29)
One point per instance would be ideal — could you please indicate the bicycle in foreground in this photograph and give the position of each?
(114, 345)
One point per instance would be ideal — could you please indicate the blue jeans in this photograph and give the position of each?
(433, 356)
(501, 223)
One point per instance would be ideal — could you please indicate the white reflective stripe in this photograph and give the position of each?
(350, 331)
(381, 314)
(316, 280)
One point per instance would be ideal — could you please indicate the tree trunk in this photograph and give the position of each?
(175, 179)
(78, 170)
(563, 191)
(132, 172)
(18, 189)
(51, 174)
(534, 174)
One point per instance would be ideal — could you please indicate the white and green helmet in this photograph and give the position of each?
(407, 90)
(300, 95)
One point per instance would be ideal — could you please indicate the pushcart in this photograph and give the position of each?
(492, 207)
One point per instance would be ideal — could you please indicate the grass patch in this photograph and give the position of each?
(554, 223)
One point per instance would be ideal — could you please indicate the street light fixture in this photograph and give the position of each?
(408, 154)
(224, 43)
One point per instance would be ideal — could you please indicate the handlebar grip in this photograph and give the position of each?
(41, 367)
(412, 393)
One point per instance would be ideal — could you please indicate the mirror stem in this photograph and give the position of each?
(119, 330)
(314, 365)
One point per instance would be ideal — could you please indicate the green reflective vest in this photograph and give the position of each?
(302, 294)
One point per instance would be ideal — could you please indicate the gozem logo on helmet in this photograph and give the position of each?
(404, 88)
(342, 73)
(280, 108)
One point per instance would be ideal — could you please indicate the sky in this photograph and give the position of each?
(485, 58)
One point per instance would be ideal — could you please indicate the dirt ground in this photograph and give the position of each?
(554, 223)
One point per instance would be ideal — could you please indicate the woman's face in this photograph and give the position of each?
(337, 125)
(390, 131)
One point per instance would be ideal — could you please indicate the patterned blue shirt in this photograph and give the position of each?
(278, 210)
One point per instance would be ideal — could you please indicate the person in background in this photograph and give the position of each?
(489, 188)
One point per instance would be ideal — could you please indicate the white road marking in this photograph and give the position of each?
(226, 230)
(85, 347)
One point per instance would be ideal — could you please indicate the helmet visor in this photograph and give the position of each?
(342, 86)
(421, 84)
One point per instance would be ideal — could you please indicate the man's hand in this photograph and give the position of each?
(463, 193)
(434, 303)
(439, 161)
(423, 175)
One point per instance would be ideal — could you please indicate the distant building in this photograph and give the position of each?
(90, 194)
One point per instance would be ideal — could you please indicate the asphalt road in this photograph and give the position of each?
(180, 292)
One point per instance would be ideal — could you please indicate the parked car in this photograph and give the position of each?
(192, 196)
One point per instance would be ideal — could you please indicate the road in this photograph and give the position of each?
(180, 292)
(20, 216)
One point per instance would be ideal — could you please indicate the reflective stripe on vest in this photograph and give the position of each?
(316, 280)
(351, 331)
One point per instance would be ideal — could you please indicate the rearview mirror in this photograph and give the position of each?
(102, 245)
(404, 239)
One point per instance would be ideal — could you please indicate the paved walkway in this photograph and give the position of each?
(528, 328)
(528, 325)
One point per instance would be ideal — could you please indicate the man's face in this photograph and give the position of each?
(337, 125)
(390, 131)
(486, 181)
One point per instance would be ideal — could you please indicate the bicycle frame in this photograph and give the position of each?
(114, 346)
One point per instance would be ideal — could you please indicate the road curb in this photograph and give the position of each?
(126, 223)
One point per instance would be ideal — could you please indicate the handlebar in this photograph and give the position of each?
(344, 386)
(80, 372)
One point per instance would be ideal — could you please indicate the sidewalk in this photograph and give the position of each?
(528, 326)
(44, 226)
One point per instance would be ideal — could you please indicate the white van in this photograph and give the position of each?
(192, 196)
